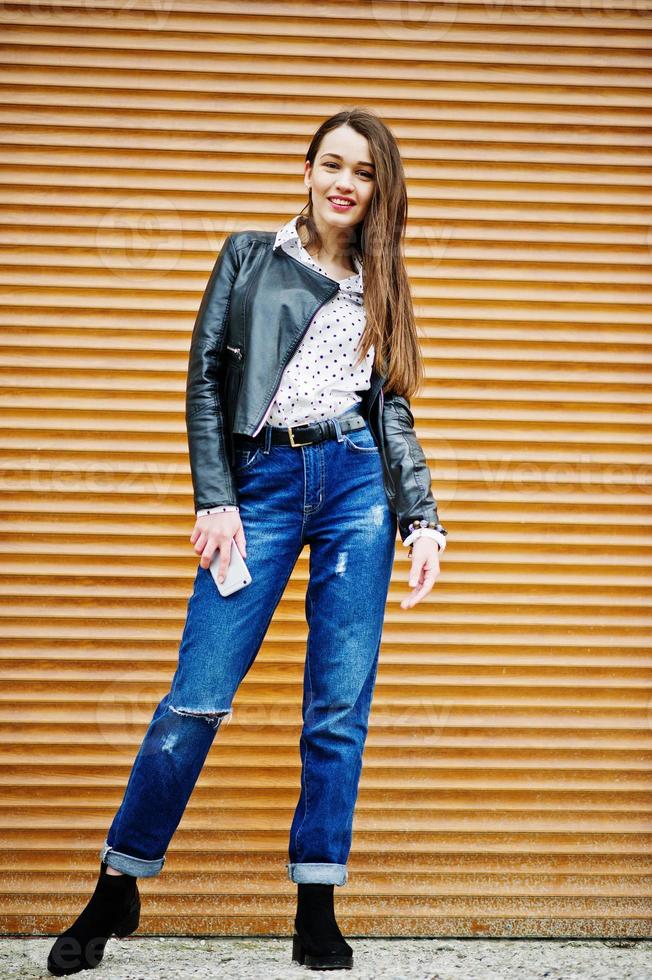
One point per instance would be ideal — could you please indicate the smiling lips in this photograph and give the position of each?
(341, 203)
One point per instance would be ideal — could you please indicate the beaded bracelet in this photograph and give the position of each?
(433, 524)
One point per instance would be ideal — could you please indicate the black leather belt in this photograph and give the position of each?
(303, 434)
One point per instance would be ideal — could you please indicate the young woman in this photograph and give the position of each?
(300, 432)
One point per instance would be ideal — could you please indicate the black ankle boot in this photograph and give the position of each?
(317, 941)
(114, 908)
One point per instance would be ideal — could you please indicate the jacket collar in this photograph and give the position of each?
(288, 239)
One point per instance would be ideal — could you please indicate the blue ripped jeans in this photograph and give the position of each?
(329, 495)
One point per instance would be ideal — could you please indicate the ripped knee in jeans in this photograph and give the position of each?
(214, 718)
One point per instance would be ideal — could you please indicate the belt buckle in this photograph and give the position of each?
(299, 444)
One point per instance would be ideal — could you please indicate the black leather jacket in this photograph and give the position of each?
(256, 308)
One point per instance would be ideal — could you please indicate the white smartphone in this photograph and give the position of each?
(237, 574)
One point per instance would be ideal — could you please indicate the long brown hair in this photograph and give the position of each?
(379, 240)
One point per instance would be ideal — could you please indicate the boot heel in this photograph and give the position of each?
(326, 961)
(130, 922)
(298, 955)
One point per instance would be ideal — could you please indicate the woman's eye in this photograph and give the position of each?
(364, 173)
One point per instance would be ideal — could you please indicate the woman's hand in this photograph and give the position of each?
(424, 571)
(213, 531)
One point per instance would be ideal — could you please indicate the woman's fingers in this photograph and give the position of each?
(224, 546)
(241, 542)
(423, 576)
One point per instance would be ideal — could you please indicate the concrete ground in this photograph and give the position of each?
(152, 958)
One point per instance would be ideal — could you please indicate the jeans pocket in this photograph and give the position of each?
(360, 440)
(245, 458)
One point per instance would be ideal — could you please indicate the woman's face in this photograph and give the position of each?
(343, 169)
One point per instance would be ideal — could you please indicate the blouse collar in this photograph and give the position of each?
(288, 238)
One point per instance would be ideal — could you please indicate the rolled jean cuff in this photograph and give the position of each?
(323, 874)
(138, 867)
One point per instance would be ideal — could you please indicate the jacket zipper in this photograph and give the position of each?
(294, 348)
(267, 411)
(287, 361)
